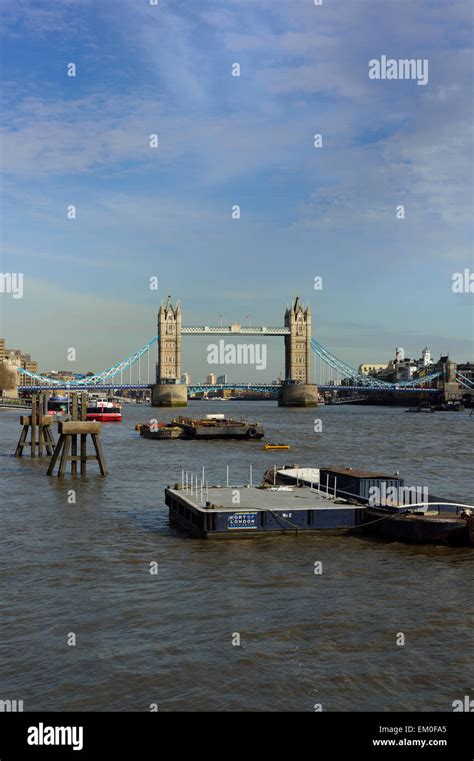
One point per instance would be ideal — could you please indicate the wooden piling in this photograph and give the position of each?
(40, 424)
(68, 440)
(34, 412)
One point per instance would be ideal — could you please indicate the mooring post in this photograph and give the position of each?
(74, 406)
(34, 412)
(64, 455)
(37, 421)
(22, 439)
(69, 430)
(74, 416)
(40, 427)
(83, 435)
(84, 405)
(99, 454)
(83, 453)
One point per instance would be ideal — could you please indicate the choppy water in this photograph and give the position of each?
(167, 639)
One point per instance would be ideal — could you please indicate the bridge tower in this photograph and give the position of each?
(298, 391)
(448, 382)
(168, 391)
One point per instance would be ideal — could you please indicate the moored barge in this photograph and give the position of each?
(211, 512)
(444, 523)
(393, 511)
(211, 427)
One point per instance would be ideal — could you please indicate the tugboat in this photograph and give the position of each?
(103, 411)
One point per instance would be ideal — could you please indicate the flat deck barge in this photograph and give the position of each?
(212, 427)
(215, 514)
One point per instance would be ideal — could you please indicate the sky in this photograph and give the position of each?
(224, 140)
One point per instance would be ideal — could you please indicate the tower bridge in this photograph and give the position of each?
(299, 387)
(297, 390)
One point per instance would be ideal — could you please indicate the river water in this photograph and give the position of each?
(83, 569)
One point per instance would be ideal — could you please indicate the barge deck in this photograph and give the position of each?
(259, 511)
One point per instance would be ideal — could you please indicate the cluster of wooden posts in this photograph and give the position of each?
(37, 436)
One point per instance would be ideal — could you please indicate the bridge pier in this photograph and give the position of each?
(169, 395)
(298, 395)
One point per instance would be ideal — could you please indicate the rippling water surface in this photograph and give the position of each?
(167, 639)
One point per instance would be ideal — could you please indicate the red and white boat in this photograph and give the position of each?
(103, 411)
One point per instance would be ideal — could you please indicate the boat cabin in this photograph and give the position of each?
(357, 484)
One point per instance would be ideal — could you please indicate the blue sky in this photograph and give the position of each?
(226, 140)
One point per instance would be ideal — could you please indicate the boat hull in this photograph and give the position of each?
(160, 433)
(104, 417)
(418, 529)
(223, 432)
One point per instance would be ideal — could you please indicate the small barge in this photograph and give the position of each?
(211, 427)
(160, 431)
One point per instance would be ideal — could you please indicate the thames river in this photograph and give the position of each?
(80, 572)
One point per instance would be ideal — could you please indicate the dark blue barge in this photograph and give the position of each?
(231, 512)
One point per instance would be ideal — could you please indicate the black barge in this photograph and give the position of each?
(211, 427)
(213, 513)
(394, 512)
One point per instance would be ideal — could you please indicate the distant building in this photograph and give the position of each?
(467, 371)
(371, 367)
(211, 379)
(400, 368)
(222, 379)
(60, 375)
(425, 360)
(399, 354)
(15, 359)
(28, 364)
(405, 369)
(186, 378)
(12, 363)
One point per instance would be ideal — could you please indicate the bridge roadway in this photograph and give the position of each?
(196, 387)
(233, 330)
